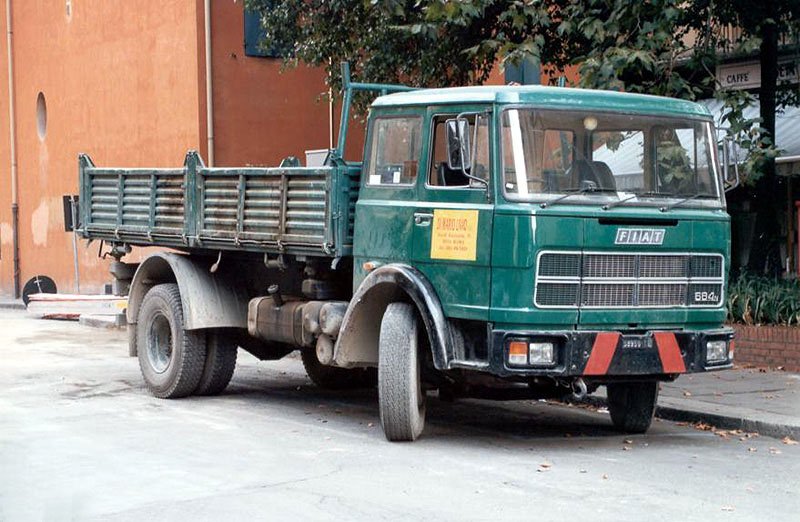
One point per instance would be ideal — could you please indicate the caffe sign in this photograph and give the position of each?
(748, 75)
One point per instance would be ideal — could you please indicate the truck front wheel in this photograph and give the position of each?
(401, 397)
(171, 358)
(632, 405)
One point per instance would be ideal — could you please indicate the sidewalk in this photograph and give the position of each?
(767, 402)
(7, 303)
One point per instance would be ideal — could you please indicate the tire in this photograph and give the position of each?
(171, 358)
(332, 378)
(221, 351)
(632, 405)
(401, 397)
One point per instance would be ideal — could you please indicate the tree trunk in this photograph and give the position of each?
(765, 251)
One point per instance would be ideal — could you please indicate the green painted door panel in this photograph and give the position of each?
(462, 283)
(383, 229)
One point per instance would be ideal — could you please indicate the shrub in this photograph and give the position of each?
(763, 300)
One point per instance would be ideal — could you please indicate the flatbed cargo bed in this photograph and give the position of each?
(281, 210)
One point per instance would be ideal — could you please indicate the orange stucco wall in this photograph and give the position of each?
(263, 114)
(125, 82)
(120, 83)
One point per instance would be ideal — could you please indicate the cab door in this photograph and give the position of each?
(452, 221)
(384, 223)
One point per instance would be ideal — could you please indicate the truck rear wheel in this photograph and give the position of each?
(332, 378)
(221, 351)
(170, 357)
(632, 405)
(400, 394)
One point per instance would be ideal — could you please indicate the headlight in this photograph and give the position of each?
(716, 351)
(541, 354)
(524, 353)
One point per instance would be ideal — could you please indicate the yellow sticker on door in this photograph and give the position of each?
(454, 234)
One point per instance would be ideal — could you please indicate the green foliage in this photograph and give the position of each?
(763, 300)
(664, 47)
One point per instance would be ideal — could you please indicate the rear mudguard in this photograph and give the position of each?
(209, 300)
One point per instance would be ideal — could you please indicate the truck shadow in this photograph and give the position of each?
(462, 420)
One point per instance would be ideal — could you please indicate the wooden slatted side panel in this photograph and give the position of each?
(135, 202)
(276, 208)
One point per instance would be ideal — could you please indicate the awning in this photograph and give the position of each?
(787, 133)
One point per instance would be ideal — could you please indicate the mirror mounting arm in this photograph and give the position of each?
(462, 163)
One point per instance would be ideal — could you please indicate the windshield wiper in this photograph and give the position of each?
(576, 192)
(667, 208)
(618, 202)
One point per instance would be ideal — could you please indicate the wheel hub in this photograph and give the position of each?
(159, 344)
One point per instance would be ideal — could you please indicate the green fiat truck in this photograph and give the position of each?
(509, 242)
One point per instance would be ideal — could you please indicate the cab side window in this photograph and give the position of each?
(440, 175)
(394, 151)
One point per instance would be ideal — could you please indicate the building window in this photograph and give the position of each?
(528, 72)
(254, 35)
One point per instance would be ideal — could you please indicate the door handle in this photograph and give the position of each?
(423, 219)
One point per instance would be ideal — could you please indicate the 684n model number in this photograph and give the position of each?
(706, 297)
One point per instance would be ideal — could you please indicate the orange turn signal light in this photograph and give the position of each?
(518, 352)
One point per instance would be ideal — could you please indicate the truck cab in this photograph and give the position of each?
(574, 235)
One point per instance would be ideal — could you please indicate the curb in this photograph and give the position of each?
(767, 428)
(115, 322)
(12, 305)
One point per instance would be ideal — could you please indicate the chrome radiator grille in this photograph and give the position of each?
(628, 280)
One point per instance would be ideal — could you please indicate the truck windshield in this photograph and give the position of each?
(635, 157)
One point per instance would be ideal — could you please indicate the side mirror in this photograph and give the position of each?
(730, 164)
(458, 147)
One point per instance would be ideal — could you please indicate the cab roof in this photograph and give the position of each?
(564, 98)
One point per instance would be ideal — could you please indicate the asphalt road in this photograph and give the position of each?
(80, 439)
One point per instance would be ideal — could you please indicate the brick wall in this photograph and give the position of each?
(768, 346)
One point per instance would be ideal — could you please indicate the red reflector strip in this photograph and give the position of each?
(605, 344)
(669, 352)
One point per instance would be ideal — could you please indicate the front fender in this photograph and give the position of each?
(209, 301)
(357, 344)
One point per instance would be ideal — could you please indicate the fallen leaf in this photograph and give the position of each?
(605, 476)
(788, 441)
(687, 393)
(626, 448)
(628, 441)
(545, 465)
(370, 425)
(775, 451)
(752, 450)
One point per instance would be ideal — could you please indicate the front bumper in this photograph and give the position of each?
(613, 354)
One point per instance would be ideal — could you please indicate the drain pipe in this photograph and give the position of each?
(209, 85)
(12, 123)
